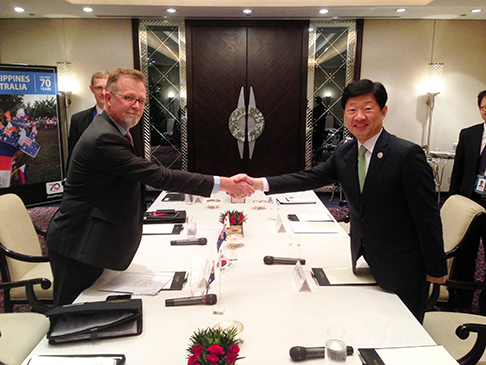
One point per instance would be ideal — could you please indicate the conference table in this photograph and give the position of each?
(266, 299)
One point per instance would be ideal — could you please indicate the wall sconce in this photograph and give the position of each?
(433, 88)
(65, 81)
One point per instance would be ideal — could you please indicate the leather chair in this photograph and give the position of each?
(463, 223)
(20, 252)
(21, 332)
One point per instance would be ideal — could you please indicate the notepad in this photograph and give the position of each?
(295, 200)
(343, 276)
(313, 227)
(419, 355)
(77, 360)
(156, 229)
(144, 284)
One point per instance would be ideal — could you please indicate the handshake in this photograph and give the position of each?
(241, 185)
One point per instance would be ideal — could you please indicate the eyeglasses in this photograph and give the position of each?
(483, 108)
(131, 99)
(99, 88)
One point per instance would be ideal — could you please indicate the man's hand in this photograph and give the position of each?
(433, 280)
(257, 183)
(240, 189)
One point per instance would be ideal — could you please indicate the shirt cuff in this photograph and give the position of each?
(266, 187)
(217, 184)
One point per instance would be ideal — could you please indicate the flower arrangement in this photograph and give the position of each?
(213, 347)
(236, 218)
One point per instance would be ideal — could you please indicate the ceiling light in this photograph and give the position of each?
(476, 11)
(19, 10)
(87, 10)
(247, 11)
(323, 11)
(171, 10)
(401, 10)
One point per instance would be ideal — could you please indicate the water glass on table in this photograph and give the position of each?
(191, 226)
(295, 248)
(335, 347)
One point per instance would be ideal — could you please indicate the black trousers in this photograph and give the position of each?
(71, 277)
(415, 298)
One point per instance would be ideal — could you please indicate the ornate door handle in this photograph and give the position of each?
(254, 118)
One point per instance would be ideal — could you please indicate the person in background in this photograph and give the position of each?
(470, 159)
(99, 222)
(389, 186)
(80, 121)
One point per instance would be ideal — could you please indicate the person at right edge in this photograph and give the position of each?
(468, 179)
(470, 160)
(395, 219)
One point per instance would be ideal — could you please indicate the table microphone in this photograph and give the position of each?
(189, 241)
(209, 299)
(270, 260)
(299, 353)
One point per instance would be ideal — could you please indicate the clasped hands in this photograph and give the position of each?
(241, 185)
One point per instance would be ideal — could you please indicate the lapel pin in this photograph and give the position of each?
(380, 154)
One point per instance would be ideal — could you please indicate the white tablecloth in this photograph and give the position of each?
(275, 315)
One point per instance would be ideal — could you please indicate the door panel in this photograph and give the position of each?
(218, 73)
(275, 73)
(222, 60)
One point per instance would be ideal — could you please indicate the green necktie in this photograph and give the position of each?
(361, 167)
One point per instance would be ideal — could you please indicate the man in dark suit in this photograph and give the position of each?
(395, 221)
(80, 121)
(99, 222)
(466, 172)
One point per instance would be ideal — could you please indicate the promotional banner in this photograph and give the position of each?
(30, 139)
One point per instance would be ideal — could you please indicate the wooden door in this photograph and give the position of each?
(271, 59)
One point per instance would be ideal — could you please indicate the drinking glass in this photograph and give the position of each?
(295, 248)
(192, 226)
(335, 347)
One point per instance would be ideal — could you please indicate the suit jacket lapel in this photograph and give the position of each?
(376, 163)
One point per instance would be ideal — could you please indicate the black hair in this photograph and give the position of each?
(363, 87)
(481, 95)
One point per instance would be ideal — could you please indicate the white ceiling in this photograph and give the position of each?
(268, 9)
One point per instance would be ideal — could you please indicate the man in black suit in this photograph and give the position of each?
(99, 222)
(395, 221)
(80, 121)
(466, 174)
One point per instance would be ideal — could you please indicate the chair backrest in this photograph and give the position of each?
(17, 233)
(457, 214)
(463, 223)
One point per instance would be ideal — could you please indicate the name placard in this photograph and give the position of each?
(300, 279)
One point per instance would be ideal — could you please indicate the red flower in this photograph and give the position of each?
(234, 348)
(232, 219)
(212, 358)
(215, 350)
(231, 358)
(193, 360)
(197, 350)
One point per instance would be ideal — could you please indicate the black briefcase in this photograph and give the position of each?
(95, 320)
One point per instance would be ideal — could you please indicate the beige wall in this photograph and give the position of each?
(396, 53)
(89, 44)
